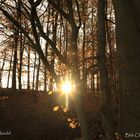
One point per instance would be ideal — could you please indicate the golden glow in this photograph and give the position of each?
(56, 108)
(67, 87)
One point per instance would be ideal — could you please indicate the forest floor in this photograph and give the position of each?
(34, 115)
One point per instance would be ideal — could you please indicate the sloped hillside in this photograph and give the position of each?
(30, 115)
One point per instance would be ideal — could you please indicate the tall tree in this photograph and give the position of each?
(10, 68)
(16, 38)
(34, 70)
(128, 42)
(104, 80)
(16, 34)
(2, 69)
(37, 74)
(28, 67)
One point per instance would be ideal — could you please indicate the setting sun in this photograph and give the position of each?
(66, 87)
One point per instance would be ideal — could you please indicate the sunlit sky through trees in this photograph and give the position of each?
(33, 73)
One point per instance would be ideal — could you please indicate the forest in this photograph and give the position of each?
(69, 69)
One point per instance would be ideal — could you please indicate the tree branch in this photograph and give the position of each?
(77, 5)
(37, 3)
(34, 46)
(65, 15)
(60, 56)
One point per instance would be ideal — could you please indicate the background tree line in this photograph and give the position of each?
(18, 55)
(49, 40)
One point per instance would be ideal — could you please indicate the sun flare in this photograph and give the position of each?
(66, 87)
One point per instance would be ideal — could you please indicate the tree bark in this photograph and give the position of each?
(2, 69)
(14, 83)
(34, 71)
(28, 71)
(37, 75)
(20, 62)
(79, 87)
(10, 67)
(128, 44)
(21, 48)
(104, 81)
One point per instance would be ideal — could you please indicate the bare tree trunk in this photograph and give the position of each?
(128, 42)
(16, 34)
(83, 58)
(37, 75)
(104, 81)
(21, 47)
(79, 90)
(33, 84)
(16, 38)
(45, 70)
(1, 70)
(10, 68)
(20, 62)
(75, 71)
(46, 51)
(28, 73)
